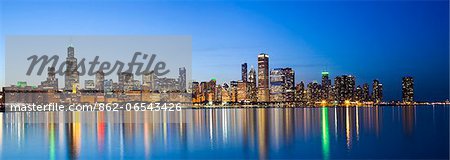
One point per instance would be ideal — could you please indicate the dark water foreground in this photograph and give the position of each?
(354, 132)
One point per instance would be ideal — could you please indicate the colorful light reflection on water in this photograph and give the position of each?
(328, 133)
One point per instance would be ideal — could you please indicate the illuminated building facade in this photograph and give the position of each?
(244, 72)
(241, 91)
(366, 94)
(326, 84)
(408, 89)
(263, 78)
(377, 91)
(282, 87)
(234, 91)
(344, 88)
(226, 96)
(358, 94)
(253, 92)
(313, 92)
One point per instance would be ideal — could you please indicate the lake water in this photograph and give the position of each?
(332, 132)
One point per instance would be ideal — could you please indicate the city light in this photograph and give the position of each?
(257, 87)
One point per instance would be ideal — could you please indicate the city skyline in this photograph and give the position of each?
(158, 79)
(377, 45)
(125, 79)
(278, 85)
(274, 85)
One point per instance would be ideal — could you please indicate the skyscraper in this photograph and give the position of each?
(344, 88)
(282, 86)
(244, 72)
(108, 87)
(99, 79)
(263, 78)
(211, 89)
(253, 92)
(125, 81)
(300, 92)
(234, 91)
(332, 94)
(182, 79)
(51, 82)
(313, 92)
(326, 84)
(203, 87)
(149, 81)
(358, 93)
(51, 73)
(218, 93)
(195, 92)
(71, 75)
(377, 91)
(350, 87)
(289, 92)
(366, 95)
(277, 84)
(226, 95)
(241, 91)
(408, 89)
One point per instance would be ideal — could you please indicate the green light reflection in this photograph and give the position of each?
(325, 137)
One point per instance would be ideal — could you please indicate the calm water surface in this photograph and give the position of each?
(353, 132)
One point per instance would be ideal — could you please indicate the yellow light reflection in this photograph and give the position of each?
(357, 124)
(347, 128)
(77, 134)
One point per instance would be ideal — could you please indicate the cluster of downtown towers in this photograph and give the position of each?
(274, 86)
(126, 81)
(278, 86)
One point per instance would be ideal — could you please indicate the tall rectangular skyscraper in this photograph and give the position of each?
(408, 89)
(277, 84)
(366, 95)
(182, 79)
(263, 78)
(326, 84)
(377, 91)
(99, 79)
(300, 92)
(71, 75)
(244, 72)
(253, 91)
(282, 85)
(344, 88)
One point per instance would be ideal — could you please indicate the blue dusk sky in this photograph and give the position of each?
(371, 40)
